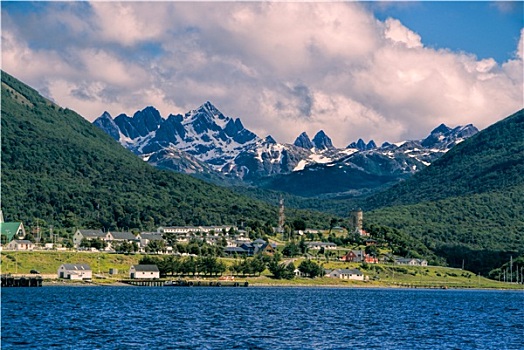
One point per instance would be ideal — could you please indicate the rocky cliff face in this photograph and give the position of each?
(205, 141)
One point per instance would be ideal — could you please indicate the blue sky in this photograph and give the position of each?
(485, 28)
(375, 70)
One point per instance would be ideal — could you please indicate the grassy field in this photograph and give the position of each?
(48, 262)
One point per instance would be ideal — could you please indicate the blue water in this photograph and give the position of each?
(259, 318)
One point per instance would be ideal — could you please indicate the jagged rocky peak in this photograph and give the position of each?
(441, 129)
(304, 141)
(209, 112)
(270, 139)
(465, 131)
(445, 137)
(106, 123)
(147, 120)
(371, 145)
(322, 141)
(362, 146)
(105, 115)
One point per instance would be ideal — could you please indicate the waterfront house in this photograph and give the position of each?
(346, 274)
(20, 244)
(87, 234)
(77, 272)
(144, 272)
(299, 273)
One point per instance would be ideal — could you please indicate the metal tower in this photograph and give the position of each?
(281, 215)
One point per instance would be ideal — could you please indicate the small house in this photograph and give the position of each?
(20, 244)
(77, 272)
(147, 237)
(346, 274)
(144, 272)
(353, 256)
(299, 273)
(87, 234)
(411, 262)
(120, 236)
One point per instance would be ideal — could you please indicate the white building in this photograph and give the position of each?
(346, 274)
(20, 244)
(78, 272)
(144, 272)
(185, 230)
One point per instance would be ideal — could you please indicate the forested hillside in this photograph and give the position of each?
(58, 167)
(488, 161)
(469, 205)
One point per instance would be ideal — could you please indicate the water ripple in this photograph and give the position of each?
(259, 318)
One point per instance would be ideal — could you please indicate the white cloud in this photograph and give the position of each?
(128, 23)
(396, 32)
(283, 68)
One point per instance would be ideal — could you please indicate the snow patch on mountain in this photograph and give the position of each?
(206, 140)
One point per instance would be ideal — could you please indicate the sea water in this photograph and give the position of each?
(259, 318)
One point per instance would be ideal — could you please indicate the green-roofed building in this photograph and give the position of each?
(10, 230)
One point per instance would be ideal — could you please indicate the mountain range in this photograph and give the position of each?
(57, 168)
(205, 141)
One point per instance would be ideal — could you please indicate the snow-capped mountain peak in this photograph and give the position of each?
(206, 140)
(362, 146)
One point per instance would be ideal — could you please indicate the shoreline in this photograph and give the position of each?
(285, 285)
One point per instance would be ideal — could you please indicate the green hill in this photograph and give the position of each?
(489, 161)
(58, 167)
(469, 205)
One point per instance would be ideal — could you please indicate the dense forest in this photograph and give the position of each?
(59, 168)
(489, 161)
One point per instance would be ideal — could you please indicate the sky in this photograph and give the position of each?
(387, 71)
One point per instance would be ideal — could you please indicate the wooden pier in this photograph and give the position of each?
(21, 281)
(184, 283)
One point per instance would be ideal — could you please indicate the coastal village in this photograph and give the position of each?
(225, 241)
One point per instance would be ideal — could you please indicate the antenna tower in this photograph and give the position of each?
(281, 215)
